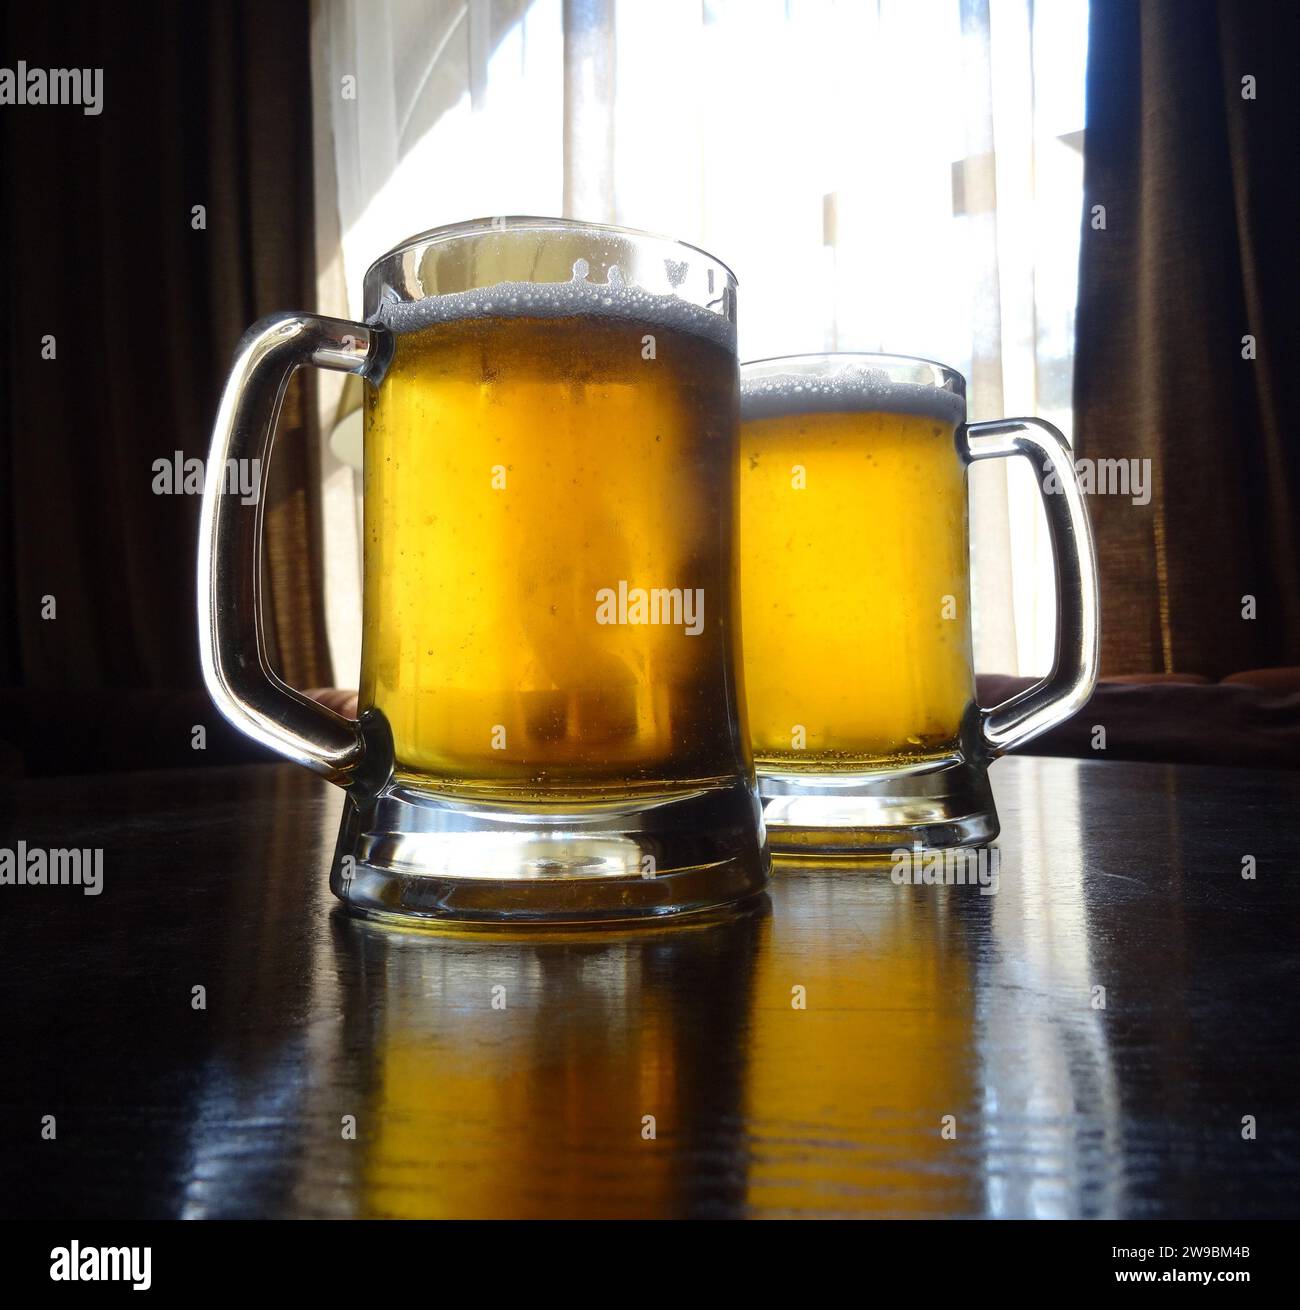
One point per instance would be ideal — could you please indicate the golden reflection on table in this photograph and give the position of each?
(527, 1077)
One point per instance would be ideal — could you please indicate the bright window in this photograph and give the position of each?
(897, 175)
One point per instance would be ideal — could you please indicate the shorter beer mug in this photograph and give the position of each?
(855, 586)
(551, 726)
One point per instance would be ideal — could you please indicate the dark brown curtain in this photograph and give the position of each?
(1198, 251)
(203, 104)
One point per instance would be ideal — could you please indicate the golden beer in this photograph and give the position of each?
(855, 578)
(551, 725)
(550, 575)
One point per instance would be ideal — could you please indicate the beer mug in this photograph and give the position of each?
(550, 718)
(856, 602)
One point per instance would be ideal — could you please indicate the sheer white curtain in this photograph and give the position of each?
(896, 175)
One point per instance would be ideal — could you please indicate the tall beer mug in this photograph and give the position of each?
(550, 718)
(856, 598)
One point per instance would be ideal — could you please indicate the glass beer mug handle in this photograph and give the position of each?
(1074, 671)
(232, 646)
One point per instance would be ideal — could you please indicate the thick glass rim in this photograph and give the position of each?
(535, 223)
(947, 378)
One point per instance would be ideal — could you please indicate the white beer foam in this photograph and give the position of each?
(853, 389)
(561, 300)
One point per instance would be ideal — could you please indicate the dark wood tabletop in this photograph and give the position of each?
(952, 1054)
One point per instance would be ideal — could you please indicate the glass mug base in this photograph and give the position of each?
(412, 855)
(939, 804)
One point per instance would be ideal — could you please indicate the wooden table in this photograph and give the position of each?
(921, 1002)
